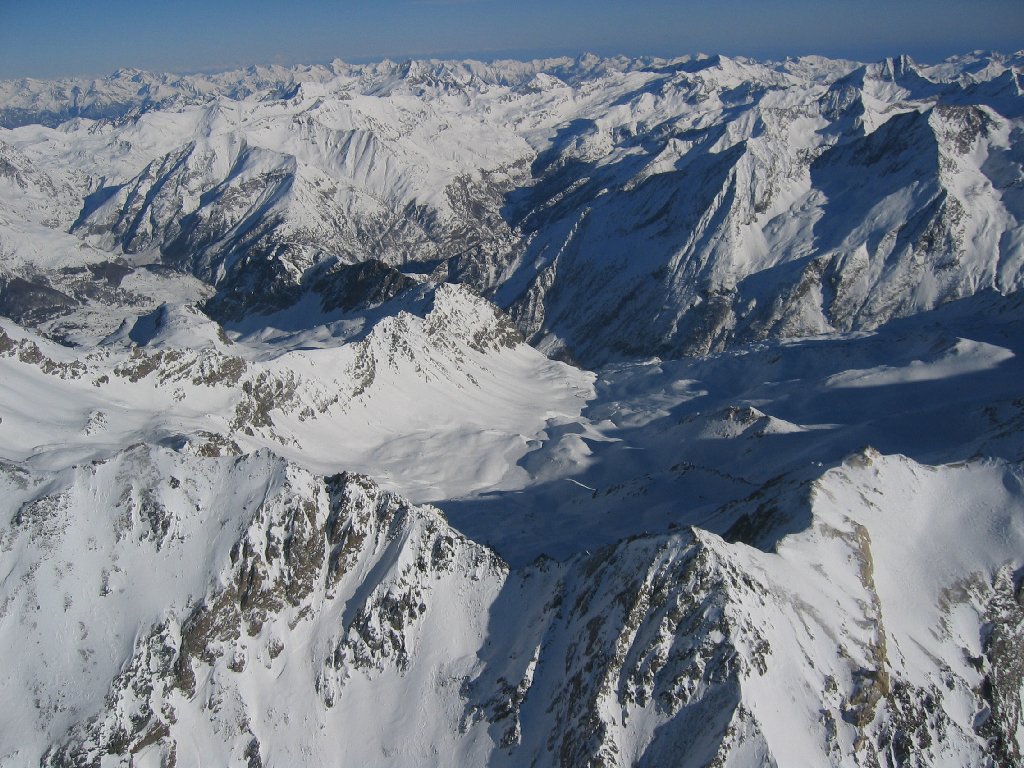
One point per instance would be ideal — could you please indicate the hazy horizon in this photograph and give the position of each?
(68, 39)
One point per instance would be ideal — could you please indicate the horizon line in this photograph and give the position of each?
(495, 56)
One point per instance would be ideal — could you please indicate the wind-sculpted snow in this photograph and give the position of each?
(291, 472)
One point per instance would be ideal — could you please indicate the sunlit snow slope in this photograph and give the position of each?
(578, 412)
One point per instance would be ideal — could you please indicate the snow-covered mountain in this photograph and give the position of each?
(328, 622)
(614, 207)
(294, 471)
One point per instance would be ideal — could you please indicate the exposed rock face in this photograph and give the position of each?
(360, 286)
(339, 601)
(221, 291)
(764, 216)
(1004, 674)
(28, 303)
(614, 208)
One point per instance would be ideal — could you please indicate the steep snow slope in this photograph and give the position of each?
(387, 636)
(435, 393)
(713, 205)
(670, 443)
(615, 207)
(222, 296)
(315, 589)
(734, 586)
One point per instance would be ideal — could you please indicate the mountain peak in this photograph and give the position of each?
(290, 473)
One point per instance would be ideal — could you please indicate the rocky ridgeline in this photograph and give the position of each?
(613, 208)
(315, 591)
(313, 259)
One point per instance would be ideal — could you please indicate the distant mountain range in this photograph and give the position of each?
(574, 412)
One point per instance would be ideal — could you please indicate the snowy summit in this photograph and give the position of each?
(572, 412)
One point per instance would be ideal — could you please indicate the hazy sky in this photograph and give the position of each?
(49, 38)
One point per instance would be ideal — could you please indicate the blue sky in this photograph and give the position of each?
(51, 38)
